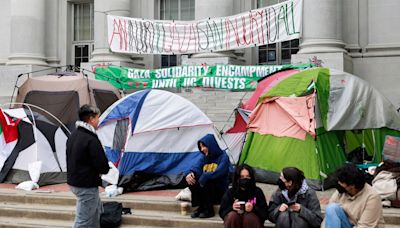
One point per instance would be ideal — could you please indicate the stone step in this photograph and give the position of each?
(6, 222)
(63, 216)
(67, 199)
(57, 209)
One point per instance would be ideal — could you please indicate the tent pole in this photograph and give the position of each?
(109, 79)
(28, 73)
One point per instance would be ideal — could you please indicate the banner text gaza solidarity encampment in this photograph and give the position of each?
(229, 77)
(257, 27)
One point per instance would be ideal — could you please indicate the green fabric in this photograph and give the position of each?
(380, 135)
(296, 84)
(330, 151)
(273, 153)
(373, 139)
(231, 77)
(356, 138)
(323, 89)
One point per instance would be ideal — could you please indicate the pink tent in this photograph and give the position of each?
(234, 137)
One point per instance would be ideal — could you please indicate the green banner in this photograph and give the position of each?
(229, 77)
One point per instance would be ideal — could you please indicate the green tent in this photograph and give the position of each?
(312, 120)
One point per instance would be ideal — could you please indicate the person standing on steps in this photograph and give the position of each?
(208, 179)
(86, 161)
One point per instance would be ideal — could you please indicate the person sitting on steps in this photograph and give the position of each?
(354, 203)
(208, 179)
(294, 204)
(243, 205)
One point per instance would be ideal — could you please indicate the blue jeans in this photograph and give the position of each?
(335, 217)
(88, 207)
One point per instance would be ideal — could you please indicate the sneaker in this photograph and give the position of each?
(196, 213)
(208, 213)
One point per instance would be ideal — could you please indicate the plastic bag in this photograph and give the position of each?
(34, 170)
(112, 175)
(184, 195)
(27, 185)
(113, 190)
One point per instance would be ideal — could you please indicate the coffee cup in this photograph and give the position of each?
(242, 204)
(185, 208)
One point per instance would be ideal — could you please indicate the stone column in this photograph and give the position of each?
(146, 9)
(27, 33)
(52, 34)
(210, 9)
(322, 34)
(101, 51)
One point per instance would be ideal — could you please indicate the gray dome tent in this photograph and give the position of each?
(62, 95)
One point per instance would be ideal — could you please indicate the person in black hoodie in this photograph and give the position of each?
(294, 204)
(243, 189)
(86, 160)
(208, 179)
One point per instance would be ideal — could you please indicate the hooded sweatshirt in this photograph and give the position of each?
(213, 166)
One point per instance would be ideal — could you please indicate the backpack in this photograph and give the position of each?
(112, 215)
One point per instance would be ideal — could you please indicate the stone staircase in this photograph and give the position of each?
(57, 209)
(20, 209)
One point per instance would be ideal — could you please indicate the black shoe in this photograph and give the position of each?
(208, 213)
(196, 213)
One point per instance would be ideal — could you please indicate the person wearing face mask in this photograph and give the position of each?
(253, 213)
(294, 204)
(208, 179)
(355, 203)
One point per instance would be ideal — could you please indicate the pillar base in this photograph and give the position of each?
(310, 46)
(210, 61)
(104, 55)
(339, 61)
(24, 59)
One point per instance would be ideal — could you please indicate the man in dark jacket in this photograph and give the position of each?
(208, 179)
(86, 160)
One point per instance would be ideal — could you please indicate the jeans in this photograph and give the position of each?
(336, 217)
(88, 207)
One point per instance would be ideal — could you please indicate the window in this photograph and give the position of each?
(277, 53)
(83, 32)
(175, 10)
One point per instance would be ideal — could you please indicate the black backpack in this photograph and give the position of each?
(112, 215)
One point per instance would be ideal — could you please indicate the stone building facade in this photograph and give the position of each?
(357, 36)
